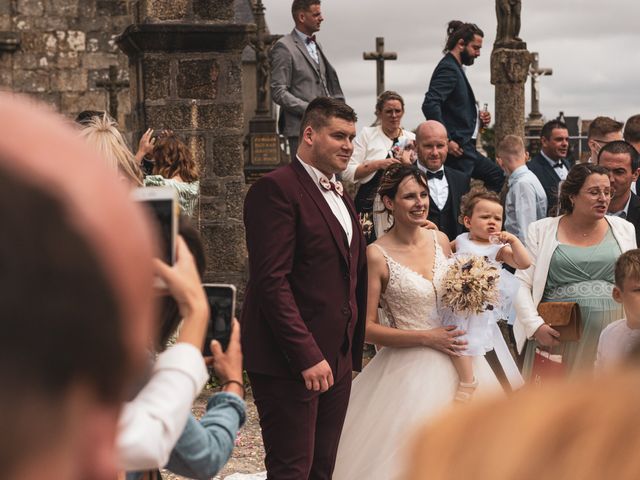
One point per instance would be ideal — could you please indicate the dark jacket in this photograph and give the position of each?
(307, 291)
(447, 219)
(633, 214)
(549, 180)
(450, 100)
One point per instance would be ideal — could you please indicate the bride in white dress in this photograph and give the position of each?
(412, 376)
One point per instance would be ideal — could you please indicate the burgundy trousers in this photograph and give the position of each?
(300, 428)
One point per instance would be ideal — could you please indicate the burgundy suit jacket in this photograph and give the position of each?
(306, 296)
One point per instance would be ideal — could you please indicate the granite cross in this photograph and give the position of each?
(380, 56)
(113, 86)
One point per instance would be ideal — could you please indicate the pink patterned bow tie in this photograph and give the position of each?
(329, 185)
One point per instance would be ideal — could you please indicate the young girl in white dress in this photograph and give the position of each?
(481, 213)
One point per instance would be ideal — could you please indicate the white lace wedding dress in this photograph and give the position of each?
(400, 388)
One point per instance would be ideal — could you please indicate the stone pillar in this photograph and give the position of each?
(509, 70)
(186, 75)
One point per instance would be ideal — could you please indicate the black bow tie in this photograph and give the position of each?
(439, 175)
(558, 165)
(310, 39)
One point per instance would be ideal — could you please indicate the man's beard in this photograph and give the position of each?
(466, 58)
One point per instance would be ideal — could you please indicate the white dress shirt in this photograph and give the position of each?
(335, 201)
(312, 48)
(438, 187)
(625, 211)
(562, 171)
(151, 424)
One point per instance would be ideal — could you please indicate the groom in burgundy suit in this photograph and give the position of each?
(303, 318)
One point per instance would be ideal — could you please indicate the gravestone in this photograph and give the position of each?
(186, 75)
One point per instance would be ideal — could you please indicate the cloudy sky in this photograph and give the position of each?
(592, 45)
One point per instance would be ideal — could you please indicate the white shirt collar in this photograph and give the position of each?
(315, 174)
(551, 162)
(303, 36)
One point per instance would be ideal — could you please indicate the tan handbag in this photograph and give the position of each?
(564, 317)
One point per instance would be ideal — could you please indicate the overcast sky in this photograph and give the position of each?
(593, 47)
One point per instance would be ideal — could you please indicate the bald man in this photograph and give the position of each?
(76, 295)
(446, 185)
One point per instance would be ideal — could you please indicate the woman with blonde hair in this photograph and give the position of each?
(174, 166)
(102, 134)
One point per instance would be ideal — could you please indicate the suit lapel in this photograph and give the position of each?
(305, 53)
(335, 228)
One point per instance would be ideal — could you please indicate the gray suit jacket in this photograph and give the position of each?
(296, 79)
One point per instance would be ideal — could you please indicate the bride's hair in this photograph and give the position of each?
(471, 199)
(391, 180)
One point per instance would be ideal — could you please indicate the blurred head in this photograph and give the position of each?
(307, 15)
(511, 153)
(102, 134)
(76, 287)
(602, 130)
(405, 195)
(586, 192)
(172, 158)
(621, 161)
(579, 429)
(432, 144)
(481, 213)
(389, 111)
(554, 138)
(464, 41)
(327, 131)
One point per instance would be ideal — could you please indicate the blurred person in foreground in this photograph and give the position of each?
(76, 291)
(583, 430)
(154, 420)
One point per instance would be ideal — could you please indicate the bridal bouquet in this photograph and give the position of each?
(470, 284)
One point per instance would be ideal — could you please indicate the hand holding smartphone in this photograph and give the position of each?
(222, 307)
(162, 205)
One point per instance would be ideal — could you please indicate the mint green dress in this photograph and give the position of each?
(584, 275)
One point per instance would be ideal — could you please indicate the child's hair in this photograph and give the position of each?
(471, 199)
(627, 266)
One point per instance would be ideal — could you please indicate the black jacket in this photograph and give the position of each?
(447, 220)
(548, 178)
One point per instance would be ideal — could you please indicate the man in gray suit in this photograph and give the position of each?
(300, 71)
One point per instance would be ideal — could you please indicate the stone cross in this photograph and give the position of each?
(261, 43)
(380, 56)
(113, 86)
(535, 72)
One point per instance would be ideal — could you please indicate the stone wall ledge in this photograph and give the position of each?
(183, 37)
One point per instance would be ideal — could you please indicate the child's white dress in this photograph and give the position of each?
(482, 330)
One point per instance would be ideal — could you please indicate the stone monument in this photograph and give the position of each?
(264, 147)
(510, 62)
(186, 75)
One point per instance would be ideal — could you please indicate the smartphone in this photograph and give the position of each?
(222, 304)
(162, 204)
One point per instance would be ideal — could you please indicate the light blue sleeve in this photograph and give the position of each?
(205, 446)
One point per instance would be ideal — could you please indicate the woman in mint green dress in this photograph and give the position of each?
(174, 166)
(573, 261)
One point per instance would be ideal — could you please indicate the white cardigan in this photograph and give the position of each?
(541, 243)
